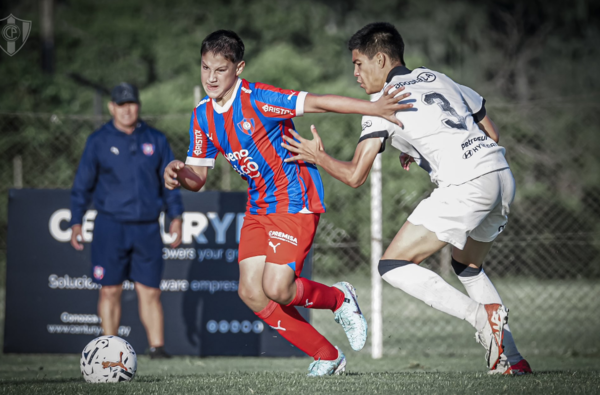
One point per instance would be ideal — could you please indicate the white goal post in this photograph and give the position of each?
(376, 252)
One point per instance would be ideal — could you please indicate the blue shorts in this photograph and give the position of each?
(126, 251)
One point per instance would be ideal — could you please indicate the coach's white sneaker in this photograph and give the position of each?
(491, 337)
(350, 317)
(327, 368)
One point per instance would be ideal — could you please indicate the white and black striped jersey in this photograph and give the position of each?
(440, 131)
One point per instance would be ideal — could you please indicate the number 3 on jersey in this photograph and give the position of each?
(439, 99)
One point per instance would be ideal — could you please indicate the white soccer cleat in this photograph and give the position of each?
(505, 368)
(351, 318)
(327, 368)
(491, 337)
(501, 367)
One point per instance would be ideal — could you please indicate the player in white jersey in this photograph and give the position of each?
(447, 133)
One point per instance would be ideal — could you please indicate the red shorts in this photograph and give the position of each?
(284, 238)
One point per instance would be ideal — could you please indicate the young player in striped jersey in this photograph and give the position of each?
(246, 122)
(448, 134)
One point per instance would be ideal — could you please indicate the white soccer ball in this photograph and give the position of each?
(108, 359)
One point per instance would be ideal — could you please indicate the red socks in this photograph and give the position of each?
(290, 324)
(314, 295)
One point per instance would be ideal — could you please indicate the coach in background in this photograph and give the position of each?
(121, 169)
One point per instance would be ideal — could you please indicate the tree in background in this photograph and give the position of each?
(533, 61)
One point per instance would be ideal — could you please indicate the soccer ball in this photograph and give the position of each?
(108, 359)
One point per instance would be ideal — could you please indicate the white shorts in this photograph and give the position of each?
(478, 209)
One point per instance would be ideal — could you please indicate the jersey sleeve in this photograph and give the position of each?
(201, 152)
(279, 103)
(375, 127)
(475, 102)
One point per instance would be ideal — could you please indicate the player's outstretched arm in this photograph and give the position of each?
(488, 127)
(352, 173)
(386, 107)
(191, 178)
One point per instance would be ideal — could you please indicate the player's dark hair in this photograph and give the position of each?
(225, 43)
(378, 37)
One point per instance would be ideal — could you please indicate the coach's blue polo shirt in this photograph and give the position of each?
(123, 174)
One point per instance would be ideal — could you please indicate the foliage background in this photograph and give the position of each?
(535, 62)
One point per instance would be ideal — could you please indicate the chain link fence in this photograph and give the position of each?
(546, 265)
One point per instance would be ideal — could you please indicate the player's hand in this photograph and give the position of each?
(305, 150)
(76, 237)
(406, 160)
(389, 104)
(170, 174)
(175, 229)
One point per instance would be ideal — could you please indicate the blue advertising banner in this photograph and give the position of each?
(51, 299)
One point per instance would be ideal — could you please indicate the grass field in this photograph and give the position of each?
(46, 374)
(426, 352)
(547, 318)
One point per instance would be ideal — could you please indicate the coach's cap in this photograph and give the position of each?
(124, 93)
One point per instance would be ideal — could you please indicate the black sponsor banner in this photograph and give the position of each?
(51, 299)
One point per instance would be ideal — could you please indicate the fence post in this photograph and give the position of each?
(445, 258)
(376, 252)
(47, 35)
(18, 172)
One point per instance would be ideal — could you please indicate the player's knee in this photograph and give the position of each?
(385, 265)
(249, 294)
(278, 293)
(244, 292)
(464, 270)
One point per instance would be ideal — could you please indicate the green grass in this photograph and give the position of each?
(59, 374)
(547, 318)
(425, 352)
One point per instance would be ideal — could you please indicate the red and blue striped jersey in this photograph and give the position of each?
(248, 131)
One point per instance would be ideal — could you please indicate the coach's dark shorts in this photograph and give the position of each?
(126, 251)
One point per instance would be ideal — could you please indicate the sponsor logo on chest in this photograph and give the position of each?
(243, 163)
(423, 77)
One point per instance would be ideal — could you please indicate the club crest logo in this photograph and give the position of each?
(246, 126)
(98, 272)
(15, 33)
(148, 149)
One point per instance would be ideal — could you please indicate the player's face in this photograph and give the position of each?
(219, 76)
(368, 74)
(125, 115)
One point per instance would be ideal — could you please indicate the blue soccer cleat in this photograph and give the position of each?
(327, 368)
(350, 317)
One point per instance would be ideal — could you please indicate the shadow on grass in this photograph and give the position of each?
(29, 381)
(72, 380)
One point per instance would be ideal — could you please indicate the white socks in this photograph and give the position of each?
(429, 287)
(481, 289)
